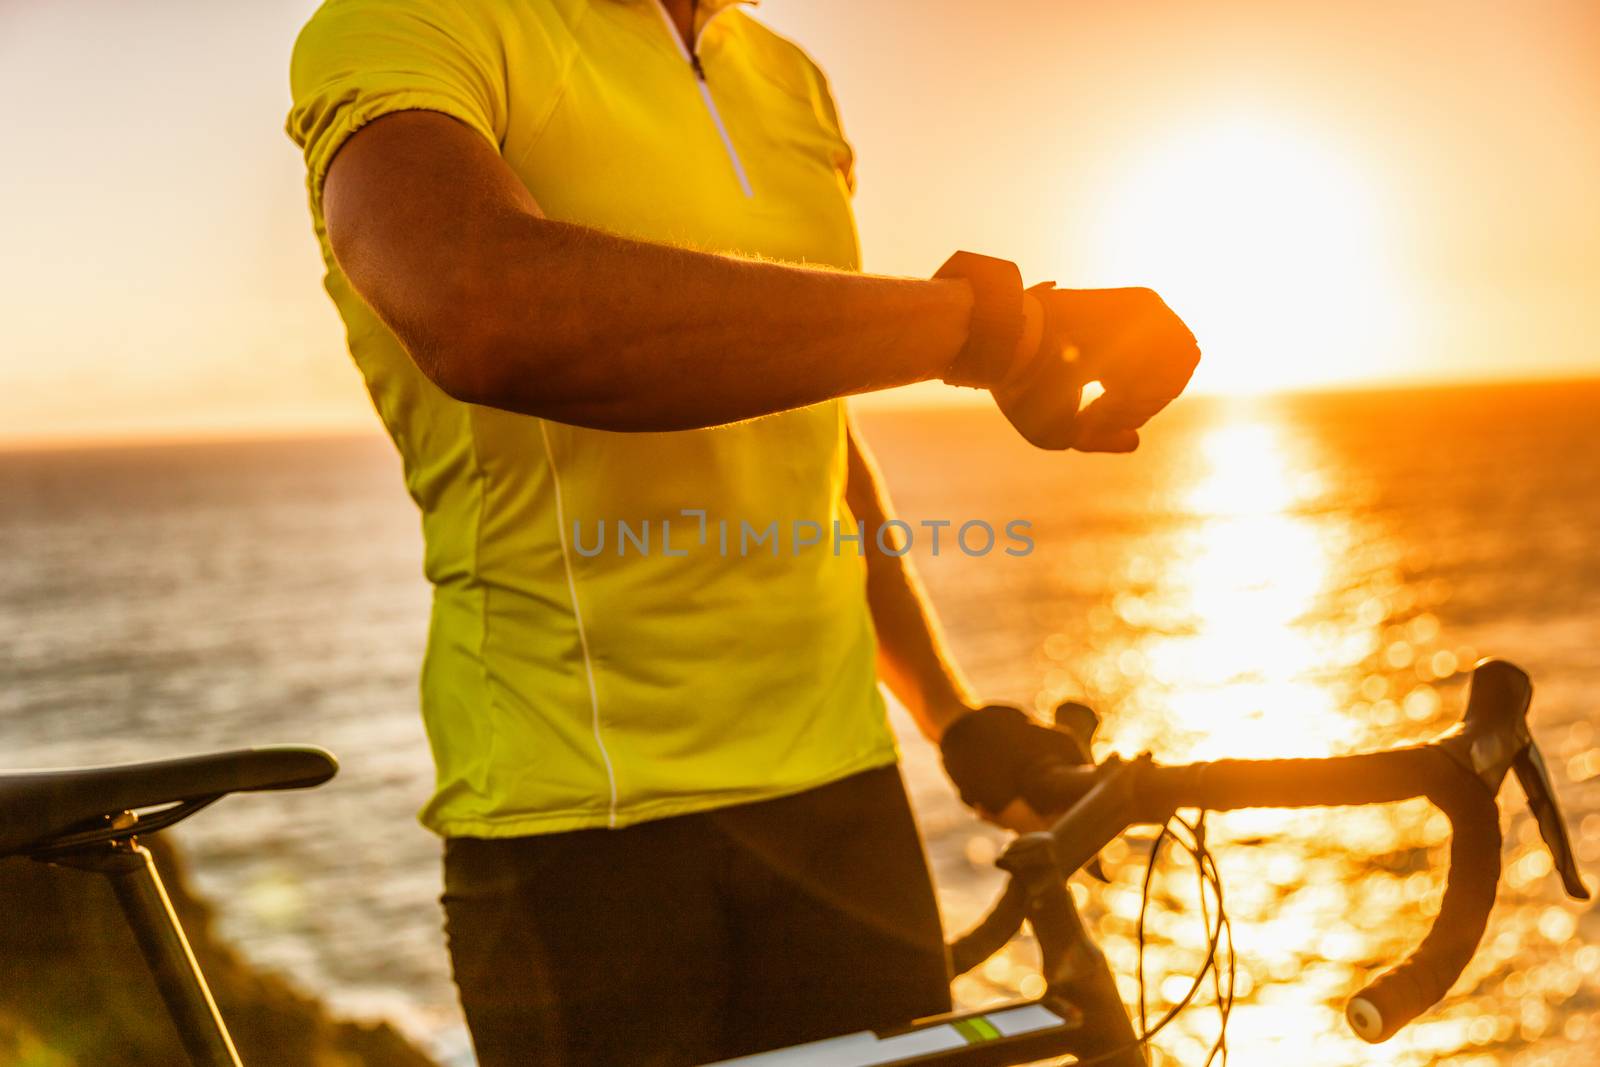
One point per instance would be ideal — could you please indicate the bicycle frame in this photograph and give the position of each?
(1010, 1034)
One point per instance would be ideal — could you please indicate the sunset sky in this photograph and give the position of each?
(1330, 193)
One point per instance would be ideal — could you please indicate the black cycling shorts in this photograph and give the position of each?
(700, 937)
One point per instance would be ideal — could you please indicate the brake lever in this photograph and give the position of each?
(1534, 778)
(1493, 738)
(1079, 722)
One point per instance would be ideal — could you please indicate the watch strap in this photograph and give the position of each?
(997, 319)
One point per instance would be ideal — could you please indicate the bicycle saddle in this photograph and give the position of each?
(37, 807)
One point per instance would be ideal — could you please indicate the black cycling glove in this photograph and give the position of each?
(993, 753)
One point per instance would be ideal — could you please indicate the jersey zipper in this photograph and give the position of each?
(691, 56)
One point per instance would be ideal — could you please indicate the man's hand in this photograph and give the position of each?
(997, 757)
(1128, 340)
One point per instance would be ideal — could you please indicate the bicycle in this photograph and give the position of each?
(89, 818)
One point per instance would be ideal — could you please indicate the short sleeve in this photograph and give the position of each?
(358, 60)
(844, 157)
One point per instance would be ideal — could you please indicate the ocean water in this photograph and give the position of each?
(1266, 577)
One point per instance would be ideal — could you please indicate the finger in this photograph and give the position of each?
(1109, 425)
(1107, 440)
(1119, 409)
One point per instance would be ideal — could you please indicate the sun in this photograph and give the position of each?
(1270, 242)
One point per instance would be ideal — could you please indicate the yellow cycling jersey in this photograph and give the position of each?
(625, 626)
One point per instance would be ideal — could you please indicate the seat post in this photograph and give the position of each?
(131, 870)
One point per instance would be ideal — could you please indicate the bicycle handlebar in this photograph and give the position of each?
(1460, 772)
(1421, 980)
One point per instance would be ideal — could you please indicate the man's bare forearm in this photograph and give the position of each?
(912, 659)
(501, 306)
(600, 331)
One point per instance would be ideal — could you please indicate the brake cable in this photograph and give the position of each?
(1224, 1002)
(1217, 934)
(1207, 874)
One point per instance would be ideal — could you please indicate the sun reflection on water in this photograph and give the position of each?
(1237, 664)
(1265, 616)
(1236, 654)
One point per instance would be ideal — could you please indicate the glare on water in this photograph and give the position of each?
(1265, 620)
(1233, 667)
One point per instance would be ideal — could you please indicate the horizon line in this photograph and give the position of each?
(178, 437)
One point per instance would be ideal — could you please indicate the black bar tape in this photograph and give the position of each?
(1421, 981)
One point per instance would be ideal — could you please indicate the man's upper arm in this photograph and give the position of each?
(413, 205)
